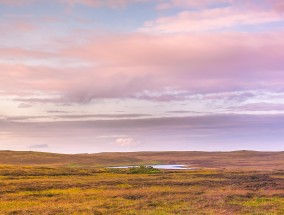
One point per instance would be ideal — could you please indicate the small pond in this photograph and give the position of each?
(167, 166)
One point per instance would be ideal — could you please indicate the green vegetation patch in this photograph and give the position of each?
(143, 170)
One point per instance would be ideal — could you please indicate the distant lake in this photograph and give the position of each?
(168, 166)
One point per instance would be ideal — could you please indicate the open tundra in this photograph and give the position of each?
(225, 183)
(231, 160)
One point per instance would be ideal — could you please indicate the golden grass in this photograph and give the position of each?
(65, 190)
(229, 160)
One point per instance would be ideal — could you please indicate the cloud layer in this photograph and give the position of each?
(215, 132)
(103, 75)
(123, 67)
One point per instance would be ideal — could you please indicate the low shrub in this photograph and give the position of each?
(143, 170)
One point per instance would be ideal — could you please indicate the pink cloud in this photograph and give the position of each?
(168, 4)
(14, 26)
(148, 67)
(18, 53)
(210, 19)
(144, 66)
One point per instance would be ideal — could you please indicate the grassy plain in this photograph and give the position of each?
(76, 190)
(220, 160)
(242, 182)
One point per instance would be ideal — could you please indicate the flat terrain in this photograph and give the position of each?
(229, 160)
(242, 182)
(62, 190)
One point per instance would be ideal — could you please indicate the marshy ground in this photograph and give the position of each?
(78, 190)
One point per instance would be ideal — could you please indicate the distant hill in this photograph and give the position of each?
(235, 160)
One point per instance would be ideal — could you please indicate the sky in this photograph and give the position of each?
(88, 76)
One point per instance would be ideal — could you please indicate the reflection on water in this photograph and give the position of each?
(168, 166)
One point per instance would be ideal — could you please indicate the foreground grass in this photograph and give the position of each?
(43, 190)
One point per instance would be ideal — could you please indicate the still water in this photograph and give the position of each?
(168, 166)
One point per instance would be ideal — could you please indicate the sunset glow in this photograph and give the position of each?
(85, 76)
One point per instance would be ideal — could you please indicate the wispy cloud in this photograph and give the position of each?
(261, 107)
(39, 146)
(210, 19)
(74, 117)
(125, 142)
